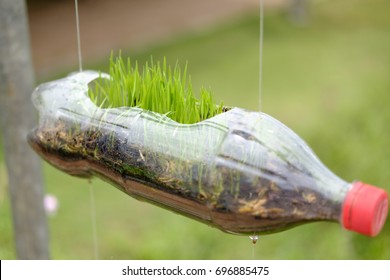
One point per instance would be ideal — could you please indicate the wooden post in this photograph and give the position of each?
(17, 118)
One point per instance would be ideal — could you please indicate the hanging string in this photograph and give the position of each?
(78, 34)
(93, 218)
(261, 51)
(91, 192)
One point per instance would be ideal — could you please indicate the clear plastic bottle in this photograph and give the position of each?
(243, 172)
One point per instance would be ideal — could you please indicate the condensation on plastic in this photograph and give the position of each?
(243, 172)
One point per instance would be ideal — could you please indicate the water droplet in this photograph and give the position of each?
(254, 238)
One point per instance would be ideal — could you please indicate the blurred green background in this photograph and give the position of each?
(327, 78)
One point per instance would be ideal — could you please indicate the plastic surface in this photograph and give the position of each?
(365, 209)
(243, 172)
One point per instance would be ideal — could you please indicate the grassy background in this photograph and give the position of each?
(328, 81)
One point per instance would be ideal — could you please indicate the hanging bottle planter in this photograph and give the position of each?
(240, 171)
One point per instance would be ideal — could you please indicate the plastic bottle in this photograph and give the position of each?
(243, 172)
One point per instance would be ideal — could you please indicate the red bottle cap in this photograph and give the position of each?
(365, 209)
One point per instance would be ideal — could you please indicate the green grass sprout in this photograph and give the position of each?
(158, 88)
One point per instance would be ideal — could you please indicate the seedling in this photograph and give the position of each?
(157, 88)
